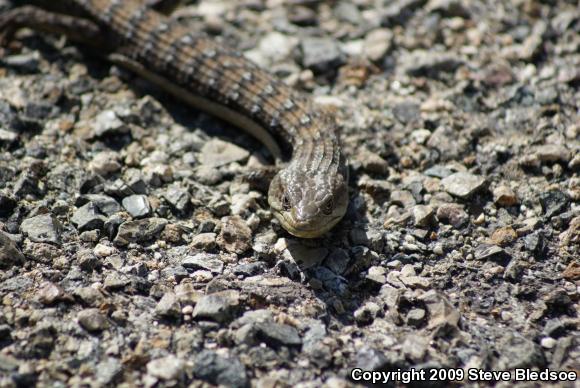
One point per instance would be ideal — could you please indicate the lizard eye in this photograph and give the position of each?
(328, 207)
(285, 202)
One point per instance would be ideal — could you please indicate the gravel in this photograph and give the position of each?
(42, 228)
(136, 248)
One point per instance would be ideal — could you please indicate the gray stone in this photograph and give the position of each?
(273, 47)
(488, 251)
(209, 366)
(415, 317)
(377, 43)
(348, 12)
(557, 327)
(315, 334)
(38, 111)
(27, 62)
(50, 293)
(105, 163)
(422, 215)
(118, 188)
(276, 334)
(88, 217)
(243, 204)
(207, 175)
(516, 351)
(532, 45)
(250, 269)
(10, 255)
(552, 153)
(378, 188)
(204, 241)
(7, 137)
(235, 236)
(438, 171)
(140, 230)
(320, 54)
(448, 8)
(447, 142)
(296, 251)
(330, 280)
(452, 213)
(302, 16)
(420, 136)
(252, 317)
(246, 334)
(43, 228)
(554, 202)
(219, 206)
(574, 164)
(5, 340)
(108, 371)
(108, 123)
(133, 179)
(137, 205)
(219, 306)
(398, 12)
(415, 347)
(178, 198)
(116, 281)
(157, 174)
(8, 116)
(174, 273)
(217, 153)
(105, 204)
(416, 282)
(92, 320)
(168, 306)
(548, 342)
(204, 261)
(377, 274)
(407, 112)
(423, 63)
(367, 313)
(376, 360)
(536, 243)
(403, 198)
(88, 261)
(372, 162)
(90, 296)
(463, 184)
(337, 261)
(40, 342)
(371, 238)
(187, 295)
(166, 368)
(16, 283)
(442, 315)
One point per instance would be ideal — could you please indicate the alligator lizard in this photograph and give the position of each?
(309, 194)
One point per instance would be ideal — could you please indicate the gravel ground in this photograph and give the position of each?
(136, 251)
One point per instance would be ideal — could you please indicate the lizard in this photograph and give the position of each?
(309, 194)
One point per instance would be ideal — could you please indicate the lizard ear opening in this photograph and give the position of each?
(328, 207)
(286, 205)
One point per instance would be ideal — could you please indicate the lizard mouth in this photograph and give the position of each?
(312, 229)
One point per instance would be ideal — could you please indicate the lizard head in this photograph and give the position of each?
(308, 204)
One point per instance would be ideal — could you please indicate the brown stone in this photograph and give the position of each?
(505, 196)
(572, 271)
(504, 236)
